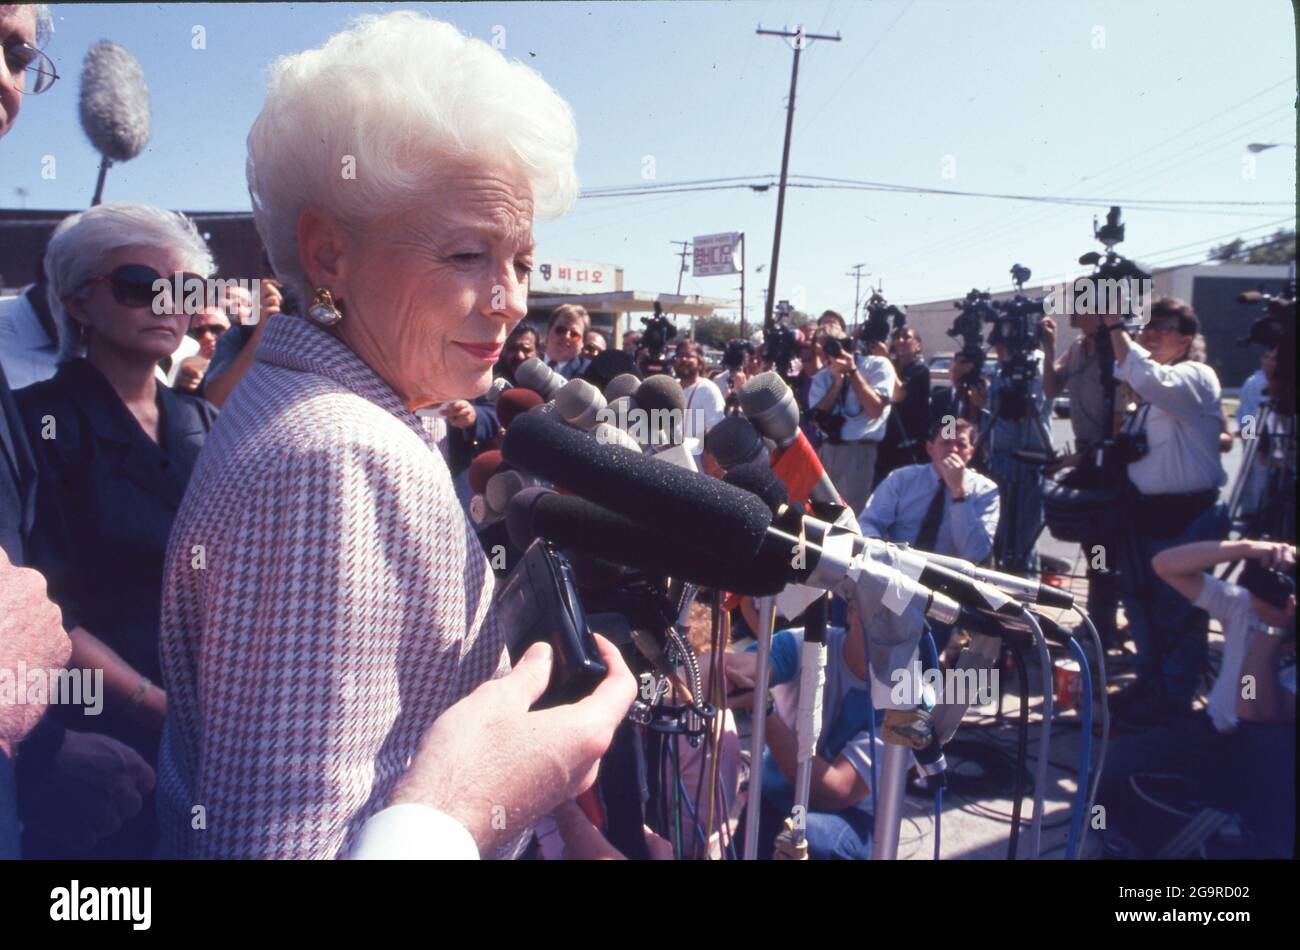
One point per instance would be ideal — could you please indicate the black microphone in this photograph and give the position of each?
(735, 441)
(1021, 588)
(726, 522)
(578, 525)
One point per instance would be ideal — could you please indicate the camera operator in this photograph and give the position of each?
(1020, 483)
(904, 442)
(735, 358)
(1079, 372)
(851, 399)
(1176, 469)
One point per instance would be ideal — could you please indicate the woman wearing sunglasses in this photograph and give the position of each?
(114, 451)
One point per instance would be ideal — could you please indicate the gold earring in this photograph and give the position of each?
(323, 311)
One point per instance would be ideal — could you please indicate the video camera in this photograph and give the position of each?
(976, 309)
(779, 340)
(1276, 329)
(735, 353)
(882, 318)
(659, 330)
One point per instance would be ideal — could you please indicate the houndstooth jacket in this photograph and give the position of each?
(325, 600)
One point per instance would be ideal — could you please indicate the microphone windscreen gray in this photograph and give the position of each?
(664, 403)
(533, 374)
(625, 384)
(769, 403)
(733, 441)
(503, 486)
(114, 102)
(623, 413)
(580, 403)
(607, 434)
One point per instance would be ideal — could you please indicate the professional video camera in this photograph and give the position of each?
(876, 328)
(976, 310)
(779, 340)
(659, 330)
(1276, 329)
(735, 353)
(1018, 328)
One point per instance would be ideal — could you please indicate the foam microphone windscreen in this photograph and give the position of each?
(533, 374)
(623, 385)
(769, 404)
(758, 478)
(586, 528)
(503, 486)
(515, 402)
(706, 512)
(114, 102)
(605, 366)
(606, 434)
(733, 441)
(665, 403)
(580, 403)
(483, 468)
(499, 385)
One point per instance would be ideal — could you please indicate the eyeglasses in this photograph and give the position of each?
(565, 331)
(133, 284)
(1162, 329)
(29, 67)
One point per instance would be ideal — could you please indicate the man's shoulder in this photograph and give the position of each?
(981, 484)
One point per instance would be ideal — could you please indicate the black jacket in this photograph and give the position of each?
(106, 497)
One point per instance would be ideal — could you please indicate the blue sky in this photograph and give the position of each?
(1123, 100)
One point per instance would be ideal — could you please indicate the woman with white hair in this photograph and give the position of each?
(114, 451)
(344, 601)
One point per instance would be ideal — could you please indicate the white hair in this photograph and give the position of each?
(83, 241)
(359, 126)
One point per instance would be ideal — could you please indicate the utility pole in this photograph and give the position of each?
(856, 274)
(686, 248)
(800, 41)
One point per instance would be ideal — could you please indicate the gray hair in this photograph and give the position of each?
(84, 240)
(359, 125)
(44, 21)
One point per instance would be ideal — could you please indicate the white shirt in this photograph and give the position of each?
(1230, 605)
(27, 353)
(1182, 420)
(705, 406)
(413, 832)
(858, 425)
(1252, 391)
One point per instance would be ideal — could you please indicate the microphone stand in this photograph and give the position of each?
(1045, 737)
(792, 844)
(766, 620)
(895, 760)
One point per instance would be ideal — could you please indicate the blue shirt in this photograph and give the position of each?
(858, 426)
(896, 510)
(846, 704)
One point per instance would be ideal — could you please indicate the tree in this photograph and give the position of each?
(1278, 249)
(716, 331)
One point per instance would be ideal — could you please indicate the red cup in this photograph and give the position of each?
(1069, 686)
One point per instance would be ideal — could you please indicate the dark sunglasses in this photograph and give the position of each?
(133, 284)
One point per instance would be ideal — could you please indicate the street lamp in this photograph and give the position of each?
(1257, 147)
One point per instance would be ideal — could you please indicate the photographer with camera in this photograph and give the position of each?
(1239, 753)
(851, 401)
(736, 358)
(904, 442)
(1176, 470)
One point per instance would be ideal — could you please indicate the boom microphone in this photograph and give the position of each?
(114, 106)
